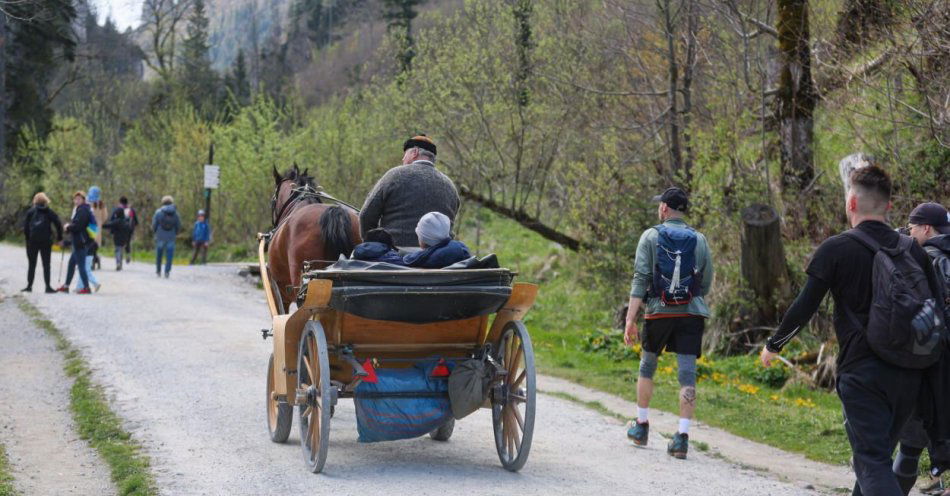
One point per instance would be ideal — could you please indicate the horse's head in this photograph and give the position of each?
(287, 188)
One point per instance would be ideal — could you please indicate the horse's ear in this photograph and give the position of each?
(296, 170)
(277, 176)
(305, 171)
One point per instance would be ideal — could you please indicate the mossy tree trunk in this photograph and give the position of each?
(796, 98)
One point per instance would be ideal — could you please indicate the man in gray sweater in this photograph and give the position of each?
(407, 192)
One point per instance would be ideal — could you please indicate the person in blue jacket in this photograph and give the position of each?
(438, 248)
(378, 246)
(200, 238)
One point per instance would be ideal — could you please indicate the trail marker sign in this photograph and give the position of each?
(212, 176)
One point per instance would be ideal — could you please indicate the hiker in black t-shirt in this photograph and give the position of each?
(38, 228)
(877, 397)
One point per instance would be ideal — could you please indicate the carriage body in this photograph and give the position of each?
(396, 319)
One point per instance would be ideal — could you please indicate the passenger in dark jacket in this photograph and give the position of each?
(121, 228)
(77, 228)
(166, 225)
(377, 247)
(38, 229)
(438, 248)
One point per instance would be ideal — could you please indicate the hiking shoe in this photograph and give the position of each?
(639, 433)
(678, 446)
(63, 289)
(84, 291)
(26, 290)
(166, 275)
(50, 290)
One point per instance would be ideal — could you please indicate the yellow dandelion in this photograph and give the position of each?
(805, 402)
(774, 397)
(748, 388)
(718, 377)
(667, 370)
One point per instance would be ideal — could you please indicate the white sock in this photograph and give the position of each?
(684, 426)
(643, 415)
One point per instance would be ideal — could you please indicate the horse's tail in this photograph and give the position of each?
(335, 225)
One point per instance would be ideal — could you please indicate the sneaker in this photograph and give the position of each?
(63, 289)
(166, 275)
(50, 290)
(26, 290)
(98, 286)
(678, 446)
(84, 291)
(639, 433)
(158, 275)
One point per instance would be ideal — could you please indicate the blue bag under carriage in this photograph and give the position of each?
(403, 404)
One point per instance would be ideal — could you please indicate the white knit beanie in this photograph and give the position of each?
(433, 228)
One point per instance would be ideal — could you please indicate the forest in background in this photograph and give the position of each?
(565, 116)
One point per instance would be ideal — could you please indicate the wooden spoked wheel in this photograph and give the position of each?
(313, 396)
(280, 415)
(514, 399)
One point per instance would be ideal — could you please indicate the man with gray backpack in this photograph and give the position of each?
(673, 272)
(889, 321)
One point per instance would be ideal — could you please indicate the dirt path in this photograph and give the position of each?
(46, 455)
(184, 362)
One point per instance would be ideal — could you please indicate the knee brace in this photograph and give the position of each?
(648, 362)
(686, 370)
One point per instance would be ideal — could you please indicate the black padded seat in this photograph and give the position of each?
(417, 295)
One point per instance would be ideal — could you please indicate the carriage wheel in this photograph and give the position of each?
(313, 396)
(280, 415)
(513, 400)
(444, 432)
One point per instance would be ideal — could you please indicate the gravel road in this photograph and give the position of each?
(183, 362)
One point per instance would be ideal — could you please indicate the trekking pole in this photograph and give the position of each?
(62, 255)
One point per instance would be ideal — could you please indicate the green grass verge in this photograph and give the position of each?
(95, 420)
(733, 391)
(6, 480)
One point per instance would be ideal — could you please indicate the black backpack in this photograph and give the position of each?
(941, 262)
(167, 222)
(40, 226)
(905, 322)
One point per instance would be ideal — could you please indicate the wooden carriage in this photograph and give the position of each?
(395, 318)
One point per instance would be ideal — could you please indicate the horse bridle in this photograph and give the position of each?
(299, 194)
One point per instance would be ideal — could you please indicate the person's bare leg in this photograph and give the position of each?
(644, 392)
(687, 401)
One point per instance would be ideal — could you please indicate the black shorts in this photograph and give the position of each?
(683, 335)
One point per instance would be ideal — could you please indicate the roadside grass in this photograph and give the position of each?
(95, 420)
(570, 328)
(6, 480)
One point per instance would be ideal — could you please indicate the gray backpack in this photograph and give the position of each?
(905, 324)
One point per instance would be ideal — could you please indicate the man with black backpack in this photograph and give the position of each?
(165, 224)
(38, 228)
(929, 225)
(887, 321)
(673, 273)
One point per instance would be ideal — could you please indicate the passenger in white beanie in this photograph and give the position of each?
(433, 228)
(439, 250)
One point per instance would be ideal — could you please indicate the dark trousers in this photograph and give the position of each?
(43, 250)
(77, 260)
(201, 248)
(878, 399)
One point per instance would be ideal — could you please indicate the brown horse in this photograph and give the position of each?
(305, 229)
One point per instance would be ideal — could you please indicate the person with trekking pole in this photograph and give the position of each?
(38, 228)
(884, 289)
(78, 229)
(673, 272)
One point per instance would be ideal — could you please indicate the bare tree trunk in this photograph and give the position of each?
(676, 154)
(763, 259)
(796, 97)
(692, 25)
(3, 101)
(524, 219)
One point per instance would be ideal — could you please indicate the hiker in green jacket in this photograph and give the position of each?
(673, 272)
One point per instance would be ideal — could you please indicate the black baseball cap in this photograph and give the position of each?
(931, 214)
(674, 198)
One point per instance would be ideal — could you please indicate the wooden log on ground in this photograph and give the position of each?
(763, 258)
